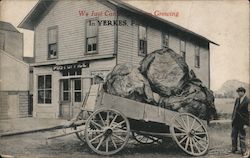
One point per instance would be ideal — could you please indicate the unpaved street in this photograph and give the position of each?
(35, 145)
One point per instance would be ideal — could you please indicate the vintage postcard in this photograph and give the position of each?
(124, 78)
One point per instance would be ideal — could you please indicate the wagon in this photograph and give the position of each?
(106, 122)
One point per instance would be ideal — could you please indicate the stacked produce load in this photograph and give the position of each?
(162, 79)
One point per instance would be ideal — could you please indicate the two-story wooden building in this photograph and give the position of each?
(76, 43)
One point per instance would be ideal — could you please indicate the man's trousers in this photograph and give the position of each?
(241, 133)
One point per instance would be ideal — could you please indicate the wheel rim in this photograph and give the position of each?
(107, 131)
(190, 134)
(144, 139)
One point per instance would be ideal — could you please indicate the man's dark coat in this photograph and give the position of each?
(240, 116)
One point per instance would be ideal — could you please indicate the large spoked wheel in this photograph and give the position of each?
(190, 134)
(107, 131)
(143, 139)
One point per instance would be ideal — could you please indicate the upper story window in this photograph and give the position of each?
(52, 42)
(197, 57)
(91, 36)
(165, 40)
(44, 87)
(2, 41)
(183, 49)
(142, 40)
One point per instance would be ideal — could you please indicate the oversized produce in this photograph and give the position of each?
(162, 79)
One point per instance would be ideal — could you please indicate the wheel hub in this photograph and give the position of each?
(108, 132)
(191, 133)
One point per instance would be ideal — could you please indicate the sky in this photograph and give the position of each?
(219, 21)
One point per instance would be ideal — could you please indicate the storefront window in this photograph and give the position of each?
(44, 89)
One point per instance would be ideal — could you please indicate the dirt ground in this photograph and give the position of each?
(35, 145)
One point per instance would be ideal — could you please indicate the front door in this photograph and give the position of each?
(71, 97)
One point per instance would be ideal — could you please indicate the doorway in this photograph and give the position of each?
(71, 97)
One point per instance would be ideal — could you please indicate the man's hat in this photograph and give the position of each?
(241, 89)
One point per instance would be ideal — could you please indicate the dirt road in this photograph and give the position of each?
(34, 145)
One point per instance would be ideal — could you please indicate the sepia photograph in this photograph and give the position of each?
(124, 78)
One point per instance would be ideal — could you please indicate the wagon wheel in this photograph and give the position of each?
(144, 139)
(190, 134)
(107, 131)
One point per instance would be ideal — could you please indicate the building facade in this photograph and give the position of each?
(77, 43)
(14, 74)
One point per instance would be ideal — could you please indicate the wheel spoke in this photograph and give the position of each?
(96, 124)
(101, 119)
(118, 137)
(197, 137)
(107, 118)
(199, 143)
(107, 145)
(120, 123)
(183, 139)
(201, 133)
(187, 142)
(196, 146)
(188, 128)
(119, 131)
(100, 143)
(112, 140)
(198, 127)
(95, 130)
(180, 134)
(113, 120)
(96, 137)
(180, 129)
(191, 145)
(184, 123)
(181, 124)
(192, 124)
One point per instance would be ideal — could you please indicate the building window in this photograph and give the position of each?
(52, 42)
(142, 40)
(183, 49)
(44, 89)
(165, 40)
(197, 56)
(2, 41)
(91, 36)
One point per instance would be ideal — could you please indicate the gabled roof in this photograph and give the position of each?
(7, 27)
(39, 10)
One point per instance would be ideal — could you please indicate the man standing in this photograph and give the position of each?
(240, 121)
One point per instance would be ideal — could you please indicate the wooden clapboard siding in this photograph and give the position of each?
(201, 72)
(154, 39)
(71, 30)
(128, 43)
